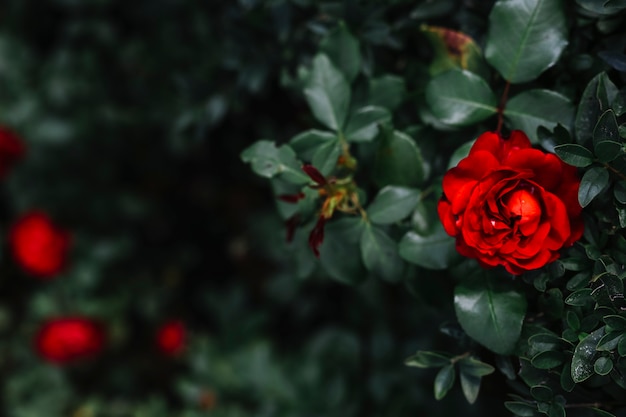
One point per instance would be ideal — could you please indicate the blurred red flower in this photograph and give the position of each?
(66, 339)
(38, 245)
(11, 150)
(171, 337)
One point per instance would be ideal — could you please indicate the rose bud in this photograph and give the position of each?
(67, 339)
(511, 205)
(171, 338)
(38, 245)
(11, 150)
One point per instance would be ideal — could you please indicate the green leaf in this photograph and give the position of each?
(579, 298)
(491, 312)
(548, 359)
(525, 37)
(567, 383)
(340, 254)
(343, 50)
(473, 366)
(619, 191)
(606, 137)
(594, 181)
(594, 100)
(533, 108)
(471, 371)
(609, 341)
(470, 384)
(306, 143)
(424, 359)
(380, 254)
(521, 409)
(584, 354)
(268, 161)
(603, 365)
(435, 251)
(328, 93)
(621, 346)
(541, 393)
(615, 322)
(326, 156)
(444, 381)
(363, 124)
(392, 204)
(387, 91)
(398, 161)
(460, 98)
(573, 154)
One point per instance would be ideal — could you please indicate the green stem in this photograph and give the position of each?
(501, 106)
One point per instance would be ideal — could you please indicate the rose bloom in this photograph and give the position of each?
(67, 339)
(39, 246)
(511, 205)
(171, 337)
(11, 150)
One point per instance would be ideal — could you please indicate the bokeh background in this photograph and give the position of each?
(134, 114)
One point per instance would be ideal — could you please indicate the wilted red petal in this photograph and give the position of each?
(291, 198)
(317, 235)
(314, 174)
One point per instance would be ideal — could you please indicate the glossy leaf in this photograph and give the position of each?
(491, 312)
(533, 108)
(363, 124)
(470, 385)
(268, 160)
(595, 99)
(398, 161)
(306, 143)
(380, 254)
(574, 154)
(603, 365)
(525, 37)
(584, 355)
(328, 93)
(594, 181)
(392, 204)
(460, 98)
(343, 50)
(387, 91)
(541, 393)
(606, 130)
(548, 359)
(434, 251)
(444, 381)
(340, 253)
(579, 298)
(326, 156)
(473, 366)
(521, 409)
(425, 359)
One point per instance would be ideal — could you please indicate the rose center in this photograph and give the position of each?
(524, 207)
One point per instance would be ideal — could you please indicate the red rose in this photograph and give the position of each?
(11, 150)
(511, 205)
(171, 337)
(67, 339)
(39, 246)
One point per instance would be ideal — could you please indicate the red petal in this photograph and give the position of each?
(314, 174)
